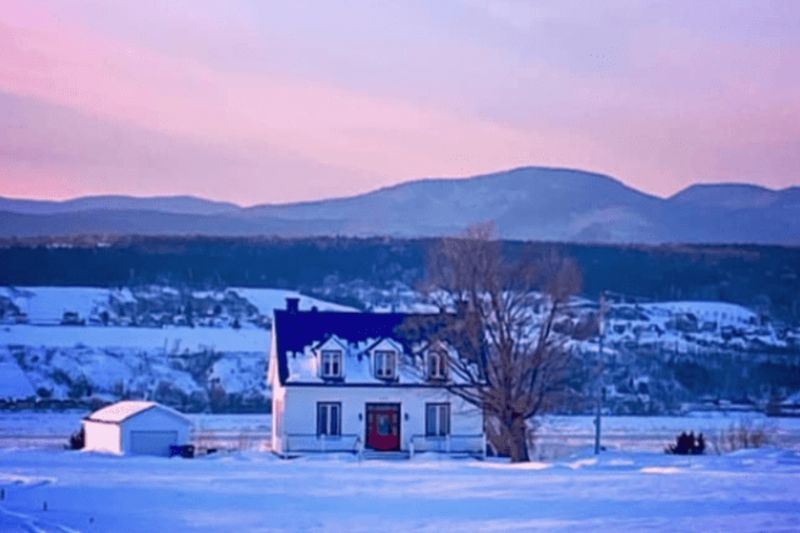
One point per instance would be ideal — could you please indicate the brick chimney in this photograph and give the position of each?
(292, 304)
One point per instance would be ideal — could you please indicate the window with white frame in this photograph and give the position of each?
(329, 419)
(437, 365)
(437, 419)
(330, 364)
(385, 363)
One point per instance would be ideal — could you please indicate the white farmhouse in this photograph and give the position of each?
(345, 381)
(135, 428)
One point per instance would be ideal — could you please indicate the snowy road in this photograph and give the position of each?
(747, 491)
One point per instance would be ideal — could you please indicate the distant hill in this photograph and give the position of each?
(188, 205)
(530, 203)
(737, 196)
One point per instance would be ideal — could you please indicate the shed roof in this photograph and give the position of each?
(121, 411)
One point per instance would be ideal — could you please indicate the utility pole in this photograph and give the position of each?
(601, 391)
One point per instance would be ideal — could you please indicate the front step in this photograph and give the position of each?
(389, 456)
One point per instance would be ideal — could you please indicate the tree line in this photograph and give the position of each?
(766, 278)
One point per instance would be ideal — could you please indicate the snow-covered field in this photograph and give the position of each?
(633, 486)
(754, 490)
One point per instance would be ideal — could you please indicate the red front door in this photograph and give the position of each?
(383, 426)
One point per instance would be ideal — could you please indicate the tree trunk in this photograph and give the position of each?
(515, 436)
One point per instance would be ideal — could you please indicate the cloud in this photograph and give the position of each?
(334, 127)
(295, 103)
(52, 151)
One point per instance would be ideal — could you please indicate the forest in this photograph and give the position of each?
(765, 278)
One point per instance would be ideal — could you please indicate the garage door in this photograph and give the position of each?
(152, 442)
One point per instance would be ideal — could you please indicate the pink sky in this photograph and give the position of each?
(260, 102)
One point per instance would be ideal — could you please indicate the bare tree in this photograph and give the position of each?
(501, 321)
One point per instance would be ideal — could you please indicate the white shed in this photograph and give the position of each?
(135, 428)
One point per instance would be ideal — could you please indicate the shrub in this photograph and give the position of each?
(743, 435)
(44, 393)
(77, 440)
(687, 444)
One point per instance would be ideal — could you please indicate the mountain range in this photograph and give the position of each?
(529, 203)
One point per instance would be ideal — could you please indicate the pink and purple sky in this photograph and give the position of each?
(255, 101)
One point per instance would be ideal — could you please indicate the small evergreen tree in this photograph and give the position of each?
(77, 440)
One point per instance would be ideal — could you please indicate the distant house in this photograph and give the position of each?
(347, 381)
(135, 428)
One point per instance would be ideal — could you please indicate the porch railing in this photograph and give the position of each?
(311, 442)
(473, 444)
(464, 444)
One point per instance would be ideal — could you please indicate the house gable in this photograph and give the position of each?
(438, 371)
(331, 346)
(331, 343)
(380, 348)
(384, 344)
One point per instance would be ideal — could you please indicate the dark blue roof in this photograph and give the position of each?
(295, 330)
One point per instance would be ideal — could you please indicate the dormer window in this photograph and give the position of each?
(437, 366)
(331, 364)
(385, 364)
